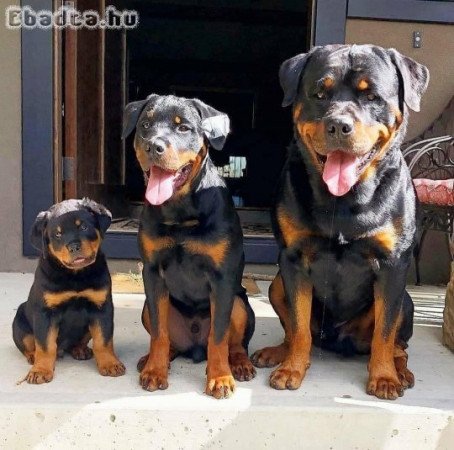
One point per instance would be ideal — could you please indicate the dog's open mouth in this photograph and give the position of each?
(162, 183)
(81, 261)
(341, 170)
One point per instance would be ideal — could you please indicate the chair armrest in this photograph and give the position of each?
(414, 152)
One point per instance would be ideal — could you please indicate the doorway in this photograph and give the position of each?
(224, 53)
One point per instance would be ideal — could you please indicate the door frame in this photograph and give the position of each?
(331, 16)
(37, 123)
(41, 142)
(38, 108)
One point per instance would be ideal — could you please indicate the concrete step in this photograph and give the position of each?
(82, 409)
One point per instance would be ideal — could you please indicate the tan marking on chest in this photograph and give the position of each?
(386, 238)
(186, 223)
(215, 251)
(96, 296)
(291, 230)
(152, 245)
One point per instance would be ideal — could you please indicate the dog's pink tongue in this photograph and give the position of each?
(160, 186)
(340, 172)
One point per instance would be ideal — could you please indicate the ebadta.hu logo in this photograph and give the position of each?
(69, 17)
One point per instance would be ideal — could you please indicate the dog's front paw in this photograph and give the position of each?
(112, 368)
(288, 376)
(39, 376)
(220, 387)
(385, 387)
(153, 379)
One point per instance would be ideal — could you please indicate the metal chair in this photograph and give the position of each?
(432, 161)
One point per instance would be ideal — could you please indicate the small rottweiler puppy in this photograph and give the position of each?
(191, 245)
(345, 214)
(70, 301)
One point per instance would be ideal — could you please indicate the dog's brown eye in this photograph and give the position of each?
(183, 128)
(146, 124)
(371, 97)
(320, 95)
(57, 234)
(83, 227)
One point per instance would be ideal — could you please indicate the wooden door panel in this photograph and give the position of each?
(93, 103)
(114, 99)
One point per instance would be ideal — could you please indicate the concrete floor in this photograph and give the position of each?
(79, 408)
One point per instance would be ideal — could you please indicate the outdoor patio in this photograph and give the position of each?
(331, 410)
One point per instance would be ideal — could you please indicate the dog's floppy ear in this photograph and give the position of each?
(37, 231)
(131, 114)
(103, 215)
(289, 76)
(215, 124)
(413, 77)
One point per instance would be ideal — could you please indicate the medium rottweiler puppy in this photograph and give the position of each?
(345, 214)
(70, 301)
(191, 245)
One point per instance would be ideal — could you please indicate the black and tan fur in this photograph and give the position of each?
(191, 247)
(70, 301)
(344, 259)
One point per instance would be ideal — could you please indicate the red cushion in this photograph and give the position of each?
(435, 192)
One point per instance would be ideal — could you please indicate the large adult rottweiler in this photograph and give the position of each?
(70, 301)
(191, 245)
(345, 214)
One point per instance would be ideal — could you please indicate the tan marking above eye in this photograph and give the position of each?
(177, 119)
(78, 222)
(59, 229)
(328, 82)
(150, 113)
(362, 85)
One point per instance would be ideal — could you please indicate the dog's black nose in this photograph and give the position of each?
(340, 127)
(157, 146)
(74, 246)
(159, 149)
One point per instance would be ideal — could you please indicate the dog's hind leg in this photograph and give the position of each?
(23, 335)
(405, 332)
(406, 377)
